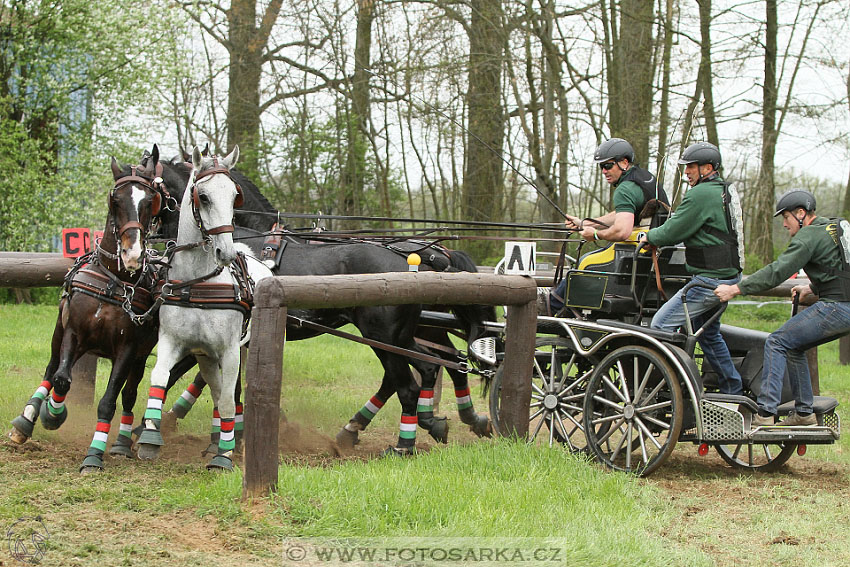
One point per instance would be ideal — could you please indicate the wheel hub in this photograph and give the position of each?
(550, 402)
(629, 412)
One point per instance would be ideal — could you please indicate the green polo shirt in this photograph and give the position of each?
(813, 248)
(702, 205)
(628, 196)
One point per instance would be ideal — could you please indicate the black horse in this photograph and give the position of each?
(94, 315)
(394, 325)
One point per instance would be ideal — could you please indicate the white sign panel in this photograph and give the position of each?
(520, 258)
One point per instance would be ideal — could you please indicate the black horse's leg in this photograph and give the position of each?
(106, 411)
(54, 413)
(240, 417)
(478, 423)
(129, 393)
(348, 436)
(23, 425)
(436, 426)
(187, 399)
(408, 392)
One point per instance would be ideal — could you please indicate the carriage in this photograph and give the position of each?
(607, 385)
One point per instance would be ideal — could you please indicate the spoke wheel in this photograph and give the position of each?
(633, 410)
(766, 457)
(558, 384)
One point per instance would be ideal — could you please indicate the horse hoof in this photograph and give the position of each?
(399, 452)
(91, 464)
(220, 463)
(212, 449)
(22, 429)
(168, 423)
(148, 452)
(179, 412)
(121, 451)
(347, 439)
(482, 427)
(49, 420)
(440, 430)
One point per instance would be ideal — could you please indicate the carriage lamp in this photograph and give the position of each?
(703, 449)
(413, 261)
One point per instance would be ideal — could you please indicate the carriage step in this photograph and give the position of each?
(732, 399)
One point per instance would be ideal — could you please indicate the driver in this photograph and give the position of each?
(636, 198)
(816, 247)
(711, 254)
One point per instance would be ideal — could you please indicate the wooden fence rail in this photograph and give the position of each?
(264, 371)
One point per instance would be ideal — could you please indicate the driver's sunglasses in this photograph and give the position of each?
(607, 165)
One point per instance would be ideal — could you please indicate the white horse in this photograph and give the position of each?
(203, 257)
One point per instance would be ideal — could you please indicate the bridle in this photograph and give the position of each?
(238, 201)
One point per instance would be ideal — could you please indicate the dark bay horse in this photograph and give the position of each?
(394, 325)
(93, 315)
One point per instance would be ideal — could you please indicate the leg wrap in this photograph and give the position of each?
(464, 406)
(54, 413)
(94, 456)
(124, 440)
(364, 417)
(407, 431)
(153, 418)
(187, 399)
(227, 441)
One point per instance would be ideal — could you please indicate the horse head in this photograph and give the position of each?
(214, 196)
(134, 202)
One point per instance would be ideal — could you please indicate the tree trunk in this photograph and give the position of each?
(847, 190)
(761, 235)
(664, 110)
(354, 171)
(245, 44)
(483, 184)
(704, 76)
(630, 75)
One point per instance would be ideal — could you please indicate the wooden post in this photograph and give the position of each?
(264, 374)
(520, 334)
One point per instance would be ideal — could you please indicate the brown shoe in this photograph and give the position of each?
(760, 421)
(797, 420)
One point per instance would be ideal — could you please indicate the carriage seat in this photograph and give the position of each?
(674, 337)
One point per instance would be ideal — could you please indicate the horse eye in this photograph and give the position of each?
(205, 199)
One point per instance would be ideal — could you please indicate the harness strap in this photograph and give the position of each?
(459, 366)
(657, 273)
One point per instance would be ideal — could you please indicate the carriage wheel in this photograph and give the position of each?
(633, 411)
(766, 457)
(558, 384)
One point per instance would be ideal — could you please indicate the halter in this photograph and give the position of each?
(238, 201)
(156, 187)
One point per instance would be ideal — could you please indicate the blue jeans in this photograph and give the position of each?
(786, 347)
(701, 302)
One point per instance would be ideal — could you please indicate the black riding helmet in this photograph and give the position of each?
(614, 149)
(795, 199)
(701, 153)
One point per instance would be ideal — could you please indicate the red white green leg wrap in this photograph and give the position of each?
(227, 440)
(34, 405)
(56, 404)
(407, 431)
(425, 405)
(215, 431)
(153, 417)
(240, 420)
(54, 412)
(187, 399)
(364, 417)
(124, 439)
(94, 456)
(464, 406)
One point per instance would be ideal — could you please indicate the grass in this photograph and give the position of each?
(173, 512)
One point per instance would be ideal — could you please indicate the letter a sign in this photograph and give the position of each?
(520, 258)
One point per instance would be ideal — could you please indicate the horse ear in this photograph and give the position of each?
(206, 151)
(117, 173)
(232, 158)
(197, 159)
(155, 155)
